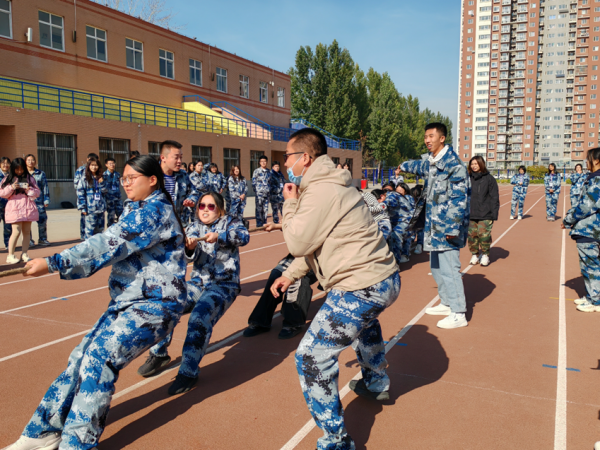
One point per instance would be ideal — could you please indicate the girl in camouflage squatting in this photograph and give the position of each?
(552, 183)
(577, 180)
(237, 189)
(584, 220)
(7, 229)
(214, 285)
(147, 288)
(520, 181)
(90, 198)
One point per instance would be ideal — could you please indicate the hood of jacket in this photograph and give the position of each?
(323, 170)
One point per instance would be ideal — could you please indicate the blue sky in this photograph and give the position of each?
(416, 42)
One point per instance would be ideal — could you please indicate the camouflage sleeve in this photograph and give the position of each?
(254, 179)
(392, 201)
(513, 180)
(81, 197)
(525, 181)
(103, 186)
(236, 234)
(243, 187)
(191, 193)
(44, 188)
(135, 231)
(588, 206)
(458, 199)
(420, 168)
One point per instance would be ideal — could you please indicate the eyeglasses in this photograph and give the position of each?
(285, 156)
(129, 180)
(210, 206)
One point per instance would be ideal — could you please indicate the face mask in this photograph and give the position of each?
(293, 178)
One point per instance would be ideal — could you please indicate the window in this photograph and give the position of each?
(264, 92)
(222, 80)
(56, 156)
(254, 160)
(134, 54)
(51, 31)
(5, 19)
(115, 148)
(244, 86)
(203, 154)
(195, 72)
(281, 97)
(154, 150)
(96, 43)
(231, 157)
(166, 64)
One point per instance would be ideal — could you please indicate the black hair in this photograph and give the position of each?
(579, 166)
(3, 159)
(440, 127)
(358, 189)
(522, 168)
(392, 185)
(262, 157)
(148, 166)
(310, 141)
(275, 163)
(89, 176)
(378, 193)
(184, 165)
(169, 144)
(33, 156)
(219, 201)
(211, 165)
(12, 176)
(109, 159)
(92, 155)
(593, 154)
(133, 154)
(553, 165)
(346, 164)
(404, 186)
(417, 191)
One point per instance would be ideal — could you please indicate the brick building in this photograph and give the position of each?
(529, 81)
(77, 77)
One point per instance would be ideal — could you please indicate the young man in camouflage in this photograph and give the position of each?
(261, 181)
(446, 222)
(114, 205)
(276, 191)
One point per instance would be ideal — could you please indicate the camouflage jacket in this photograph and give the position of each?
(584, 217)
(40, 178)
(113, 184)
(79, 174)
(520, 188)
(90, 198)
(146, 251)
(236, 187)
(184, 190)
(276, 187)
(200, 181)
(215, 182)
(261, 182)
(552, 182)
(577, 180)
(448, 190)
(400, 208)
(218, 263)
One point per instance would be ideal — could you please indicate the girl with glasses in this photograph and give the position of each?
(214, 285)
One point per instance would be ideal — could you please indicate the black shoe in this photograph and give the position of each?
(255, 330)
(246, 223)
(358, 386)
(288, 333)
(153, 365)
(182, 384)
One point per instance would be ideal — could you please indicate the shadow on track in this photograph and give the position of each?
(577, 284)
(498, 253)
(421, 362)
(477, 289)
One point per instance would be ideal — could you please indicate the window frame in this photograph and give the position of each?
(134, 50)
(52, 171)
(245, 83)
(96, 39)
(255, 156)
(51, 25)
(220, 76)
(120, 156)
(227, 159)
(167, 61)
(281, 103)
(197, 154)
(154, 149)
(10, 27)
(193, 67)
(263, 85)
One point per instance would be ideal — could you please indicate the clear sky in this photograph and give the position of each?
(416, 42)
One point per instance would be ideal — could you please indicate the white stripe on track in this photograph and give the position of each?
(560, 420)
(308, 427)
(29, 279)
(268, 246)
(14, 355)
(52, 300)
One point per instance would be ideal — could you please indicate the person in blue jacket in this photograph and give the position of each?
(114, 205)
(7, 228)
(79, 174)
(276, 191)
(216, 180)
(148, 291)
(237, 189)
(520, 181)
(577, 180)
(199, 178)
(584, 220)
(447, 217)
(552, 182)
(90, 198)
(261, 181)
(214, 286)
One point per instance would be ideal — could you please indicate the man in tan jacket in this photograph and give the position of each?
(329, 229)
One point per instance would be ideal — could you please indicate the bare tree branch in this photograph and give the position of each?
(153, 11)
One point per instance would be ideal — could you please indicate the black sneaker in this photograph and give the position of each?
(153, 365)
(288, 333)
(359, 387)
(255, 330)
(182, 384)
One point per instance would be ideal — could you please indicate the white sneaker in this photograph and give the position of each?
(512, 217)
(439, 310)
(454, 320)
(418, 249)
(12, 259)
(581, 301)
(588, 307)
(404, 259)
(25, 257)
(597, 446)
(474, 260)
(485, 260)
(520, 217)
(49, 441)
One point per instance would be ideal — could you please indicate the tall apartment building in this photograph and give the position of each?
(529, 81)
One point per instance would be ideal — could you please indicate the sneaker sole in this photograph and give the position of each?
(379, 396)
(437, 313)
(596, 309)
(462, 325)
(155, 371)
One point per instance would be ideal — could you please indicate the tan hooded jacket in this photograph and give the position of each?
(330, 229)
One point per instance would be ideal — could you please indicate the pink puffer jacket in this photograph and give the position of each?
(21, 207)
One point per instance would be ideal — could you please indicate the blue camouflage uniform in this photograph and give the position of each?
(200, 181)
(90, 200)
(148, 292)
(184, 190)
(447, 213)
(215, 182)
(7, 228)
(400, 210)
(521, 183)
(276, 194)
(409, 236)
(114, 205)
(42, 202)
(577, 180)
(79, 175)
(261, 180)
(214, 285)
(584, 218)
(379, 213)
(236, 188)
(552, 181)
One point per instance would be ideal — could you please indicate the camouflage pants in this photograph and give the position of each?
(42, 224)
(385, 227)
(7, 229)
(262, 210)
(346, 318)
(589, 263)
(420, 237)
(94, 224)
(480, 236)
(518, 200)
(114, 209)
(236, 208)
(409, 238)
(551, 202)
(82, 227)
(277, 210)
(78, 401)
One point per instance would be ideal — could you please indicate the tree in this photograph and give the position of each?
(385, 124)
(153, 11)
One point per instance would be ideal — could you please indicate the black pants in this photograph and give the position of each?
(294, 314)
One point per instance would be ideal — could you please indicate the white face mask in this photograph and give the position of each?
(293, 178)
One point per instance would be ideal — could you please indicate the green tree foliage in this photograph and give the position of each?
(330, 90)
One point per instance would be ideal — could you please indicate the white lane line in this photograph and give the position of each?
(52, 300)
(29, 279)
(6, 358)
(308, 427)
(210, 349)
(560, 420)
(268, 246)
